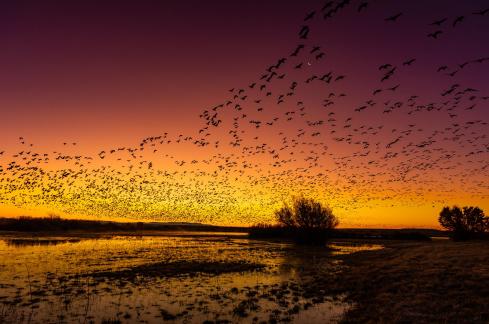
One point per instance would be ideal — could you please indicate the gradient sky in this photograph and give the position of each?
(106, 76)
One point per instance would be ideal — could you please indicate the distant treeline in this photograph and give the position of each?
(275, 231)
(58, 224)
(389, 234)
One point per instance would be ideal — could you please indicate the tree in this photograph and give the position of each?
(465, 222)
(306, 214)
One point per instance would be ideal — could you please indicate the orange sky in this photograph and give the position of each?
(148, 69)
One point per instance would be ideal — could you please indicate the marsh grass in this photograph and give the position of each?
(175, 269)
(415, 282)
(321, 236)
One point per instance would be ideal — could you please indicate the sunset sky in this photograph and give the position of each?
(144, 79)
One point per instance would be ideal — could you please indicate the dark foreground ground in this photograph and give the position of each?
(426, 282)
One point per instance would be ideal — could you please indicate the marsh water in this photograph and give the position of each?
(179, 277)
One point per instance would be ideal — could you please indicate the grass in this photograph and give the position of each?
(321, 236)
(387, 234)
(415, 283)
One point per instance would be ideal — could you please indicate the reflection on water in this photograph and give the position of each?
(58, 280)
(352, 248)
(19, 242)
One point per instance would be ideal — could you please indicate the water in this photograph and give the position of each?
(83, 280)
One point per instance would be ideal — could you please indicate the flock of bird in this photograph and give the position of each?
(271, 139)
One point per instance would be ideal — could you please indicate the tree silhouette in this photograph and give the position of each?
(306, 221)
(464, 223)
(306, 214)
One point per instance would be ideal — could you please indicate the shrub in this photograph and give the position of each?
(306, 214)
(465, 223)
(306, 221)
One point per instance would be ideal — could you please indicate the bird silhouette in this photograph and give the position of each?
(394, 17)
(310, 15)
(438, 22)
(363, 5)
(409, 62)
(297, 50)
(385, 66)
(304, 32)
(435, 34)
(458, 20)
(481, 12)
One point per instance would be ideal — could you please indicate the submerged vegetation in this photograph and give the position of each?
(178, 268)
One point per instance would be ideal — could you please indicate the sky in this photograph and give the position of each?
(167, 111)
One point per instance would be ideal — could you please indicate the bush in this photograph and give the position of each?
(465, 223)
(306, 214)
(306, 221)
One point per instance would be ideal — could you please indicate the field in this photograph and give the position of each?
(433, 282)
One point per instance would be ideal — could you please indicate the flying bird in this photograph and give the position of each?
(481, 12)
(362, 6)
(393, 18)
(304, 32)
(327, 5)
(435, 34)
(315, 49)
(394, 88)
(297, 50)
(458, 20)
(438, 22)
(310, 16)
(409, 62)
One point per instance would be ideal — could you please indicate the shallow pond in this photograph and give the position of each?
(150, 279)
